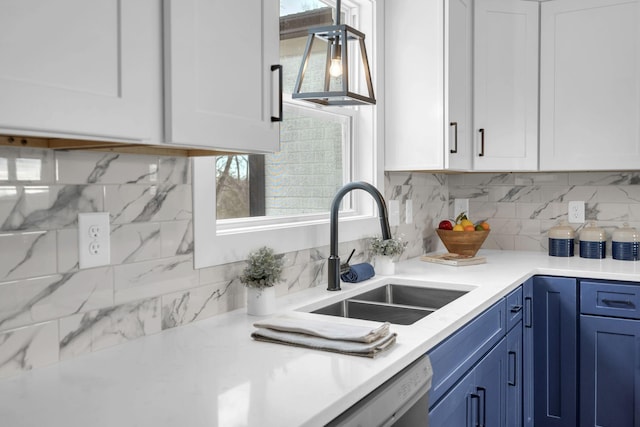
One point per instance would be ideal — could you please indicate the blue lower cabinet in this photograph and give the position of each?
(550, 349)
(478, 399)
(609, 372)
(514, 397)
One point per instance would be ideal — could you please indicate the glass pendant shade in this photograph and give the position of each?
(325, 75)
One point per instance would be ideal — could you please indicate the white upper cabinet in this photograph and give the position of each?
(590, 85)
(220, 89)
(505, 85)
(80, 68)
(427, 84)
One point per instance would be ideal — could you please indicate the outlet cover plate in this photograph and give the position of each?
(576, 212)
(94, 239)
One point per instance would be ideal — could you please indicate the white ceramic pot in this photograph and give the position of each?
(261, 301)
(384, 265)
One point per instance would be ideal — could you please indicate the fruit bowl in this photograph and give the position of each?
(462, 242)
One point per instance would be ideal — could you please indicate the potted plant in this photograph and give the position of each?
(263, 271)
(385, 252)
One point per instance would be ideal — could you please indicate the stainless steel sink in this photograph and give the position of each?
(399, 304)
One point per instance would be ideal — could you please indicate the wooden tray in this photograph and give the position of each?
(454, 259)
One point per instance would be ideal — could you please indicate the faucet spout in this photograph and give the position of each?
(334, 259)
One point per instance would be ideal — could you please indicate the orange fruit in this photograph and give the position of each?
(485, 225)
(469, 228)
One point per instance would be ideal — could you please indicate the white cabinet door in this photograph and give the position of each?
(427, 84)
(506, 85)
(458, 81)
(590, 85)
(220, 90)
(81, 69)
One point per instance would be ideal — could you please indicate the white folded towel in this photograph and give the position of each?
(370, 349)
(299, 329)
(296, 322)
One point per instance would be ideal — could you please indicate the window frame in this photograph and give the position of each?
(224, 241)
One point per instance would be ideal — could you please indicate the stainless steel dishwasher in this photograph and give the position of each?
(402, 401)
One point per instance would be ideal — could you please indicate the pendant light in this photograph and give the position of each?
(332, 82)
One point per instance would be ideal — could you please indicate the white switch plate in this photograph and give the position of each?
(576, 212)
(94, 240)
(459, 206)
(409, 211)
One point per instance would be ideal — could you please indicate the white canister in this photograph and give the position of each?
(593, 242)
(624, 243)
(562, 240)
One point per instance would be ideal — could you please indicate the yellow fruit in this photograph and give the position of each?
(465, 222)
(458, 227)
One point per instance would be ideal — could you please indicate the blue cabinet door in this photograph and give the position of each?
(514, 377)
(478, 399)
(550, 351)
(609, 372)
(491, 381)
(458, 407)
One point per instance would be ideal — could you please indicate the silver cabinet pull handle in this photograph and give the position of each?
(455, 137)
(481, 154)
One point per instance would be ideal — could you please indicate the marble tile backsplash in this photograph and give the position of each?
(50, 310)
(522, 207)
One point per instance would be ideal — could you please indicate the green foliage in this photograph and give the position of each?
(264, 268)
(389, 247)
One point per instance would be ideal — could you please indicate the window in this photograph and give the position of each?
(315, 144)
(283, 199)
(312, 164)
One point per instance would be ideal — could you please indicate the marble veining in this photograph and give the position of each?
(48, 207)
(109, 326)
(187, 307)
(25, 348)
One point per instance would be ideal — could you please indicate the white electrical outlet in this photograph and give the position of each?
(576, 212)
(94, 240)
(459, 206)
(409, 211)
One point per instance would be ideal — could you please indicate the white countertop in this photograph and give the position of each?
(211, 373)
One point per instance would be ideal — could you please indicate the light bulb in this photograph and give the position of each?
(336, 67)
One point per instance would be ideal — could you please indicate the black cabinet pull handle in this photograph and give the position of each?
(528, 321)
(617, 302)
(512, 373)
(455, 137)
(483, 406)
(279, 68)
(516, 308)
(475, 414)
(481, 154)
